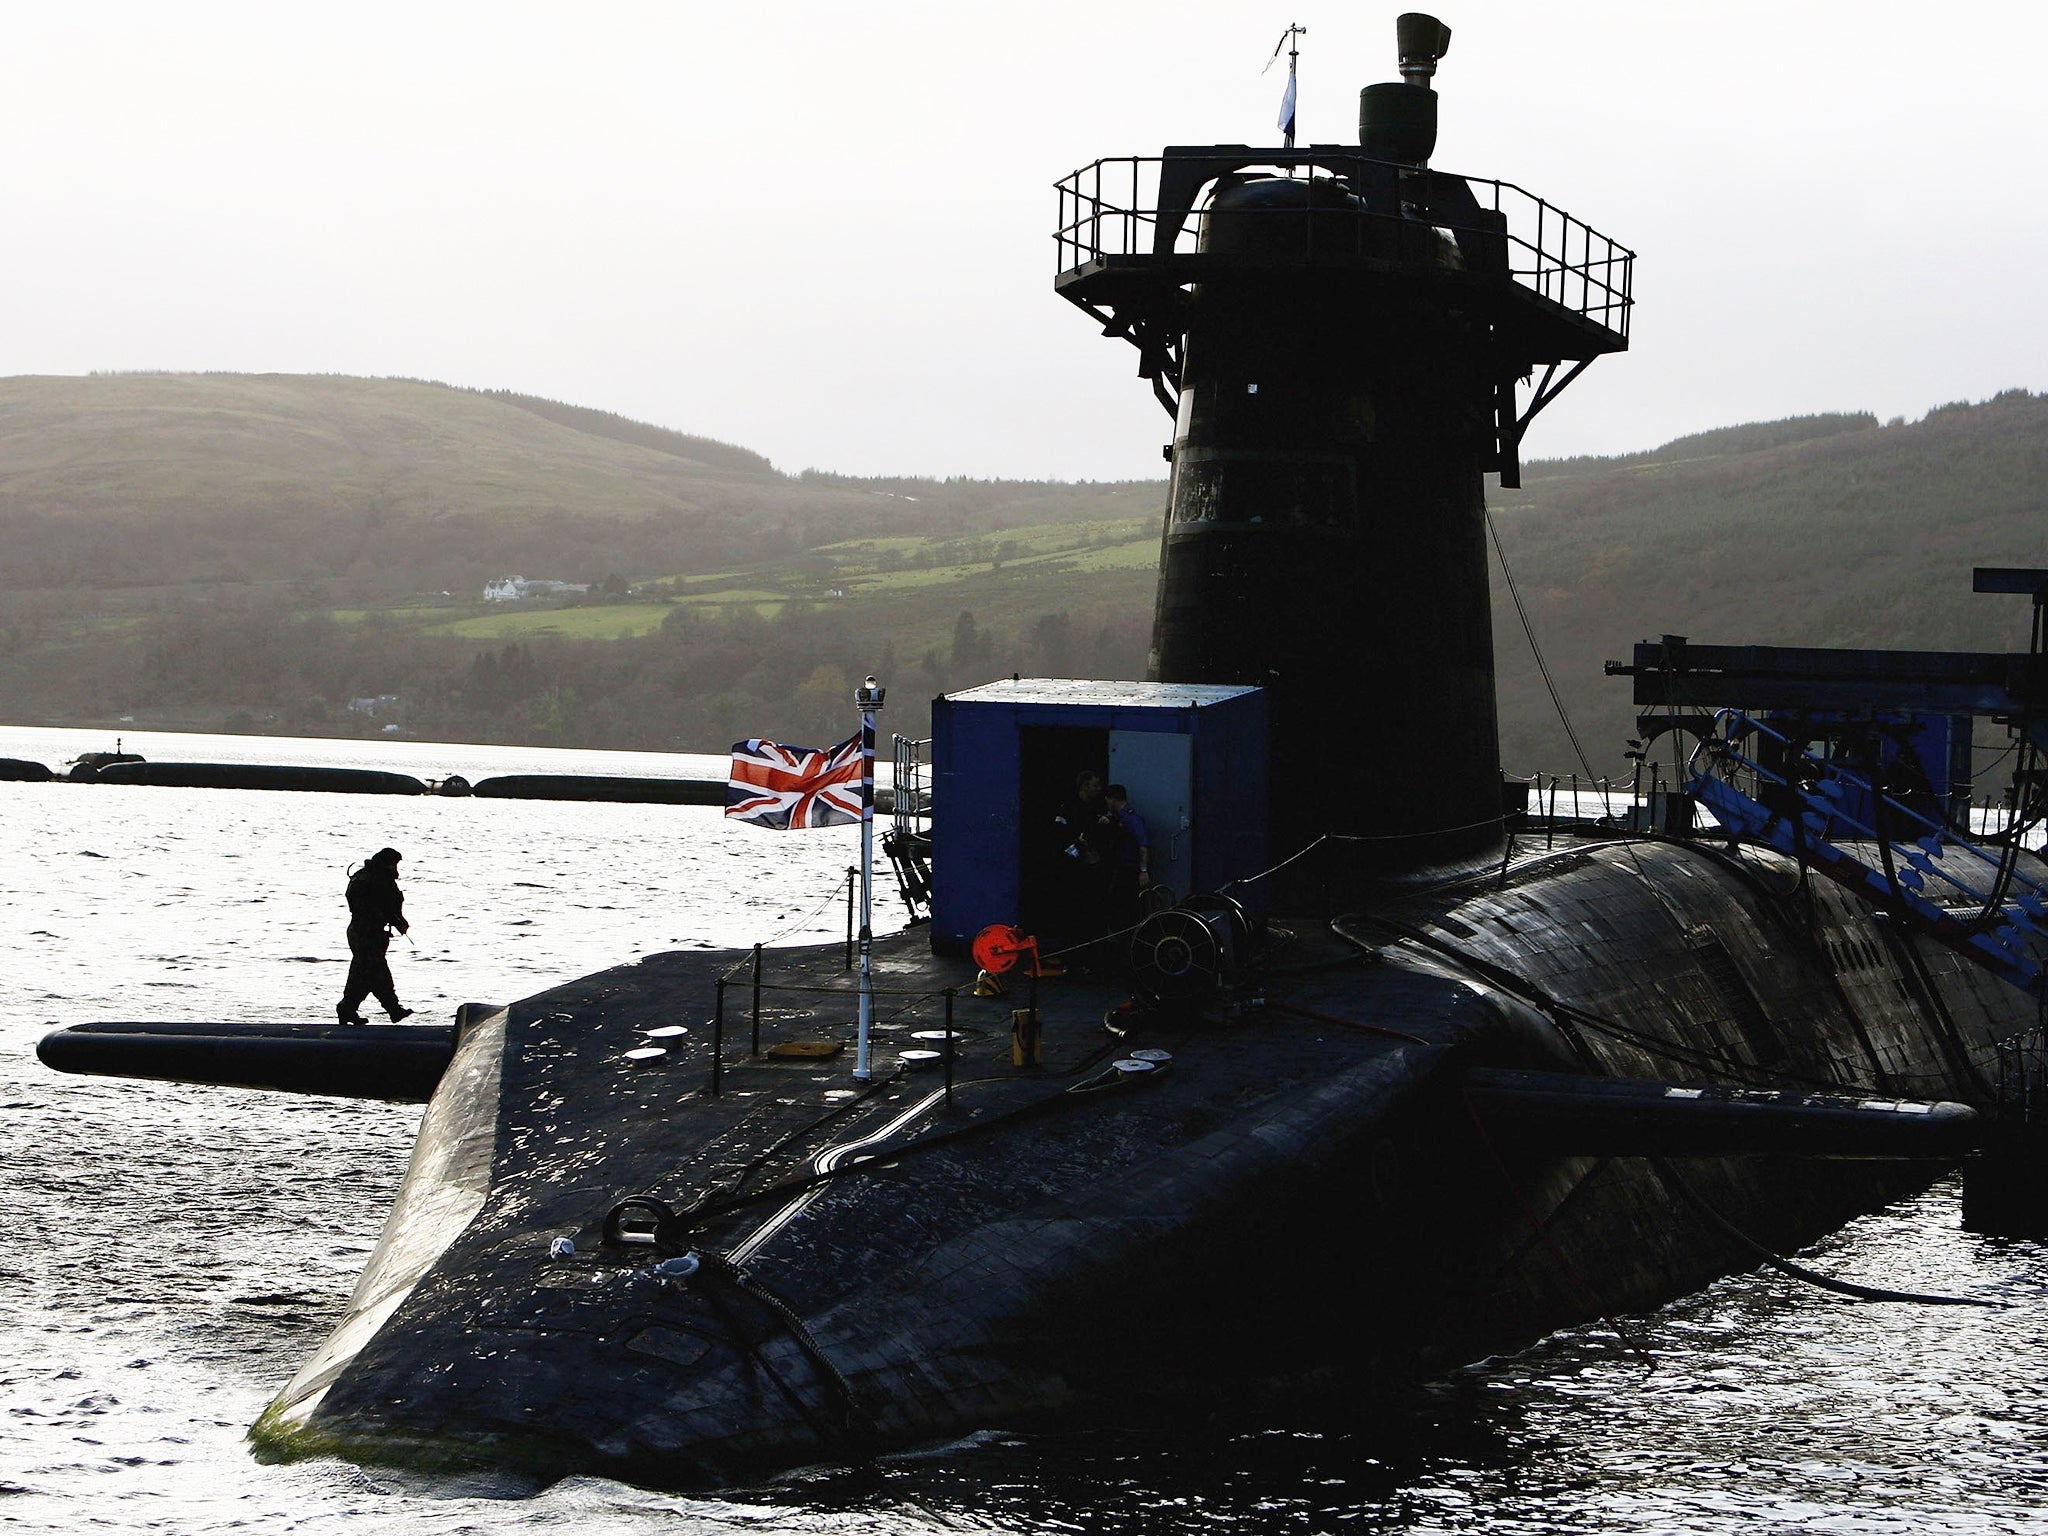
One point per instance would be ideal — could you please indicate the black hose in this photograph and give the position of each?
(849, 1420)
(748, 1346)
(1775, 1260)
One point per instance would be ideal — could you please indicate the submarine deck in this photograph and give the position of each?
(874, 1265)
(475, 1321)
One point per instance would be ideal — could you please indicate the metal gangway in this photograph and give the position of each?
(908, 841)
(1767, 787)
(1973, 898)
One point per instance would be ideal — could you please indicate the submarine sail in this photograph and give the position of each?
(1340, 333)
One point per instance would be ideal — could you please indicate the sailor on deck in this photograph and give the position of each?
(375, 907)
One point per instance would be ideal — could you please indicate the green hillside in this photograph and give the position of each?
(205, 550)
(255, 552)
(379, 488)
(1845, 533)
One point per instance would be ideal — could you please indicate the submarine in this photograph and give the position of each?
(1395, 1081)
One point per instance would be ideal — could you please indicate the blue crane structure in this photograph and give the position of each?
(1773, 767)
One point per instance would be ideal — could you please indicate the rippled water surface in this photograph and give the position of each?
(169, 1255)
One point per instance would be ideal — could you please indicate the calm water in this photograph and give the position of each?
(171, 1254)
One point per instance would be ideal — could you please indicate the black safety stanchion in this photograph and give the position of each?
(757, 1000)
(718, 1041)
(852, 876)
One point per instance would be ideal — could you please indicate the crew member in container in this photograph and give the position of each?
(375, 907)
(1082, 838)
(1131, 864)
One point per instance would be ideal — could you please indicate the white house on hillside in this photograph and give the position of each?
(511, 589)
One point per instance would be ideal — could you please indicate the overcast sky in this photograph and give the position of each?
(823, 231)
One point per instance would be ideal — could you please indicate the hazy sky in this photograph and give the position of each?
(823, 231)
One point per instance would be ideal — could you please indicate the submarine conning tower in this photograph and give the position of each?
(1340, 334)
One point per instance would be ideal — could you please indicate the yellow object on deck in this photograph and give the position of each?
(1025, 1048)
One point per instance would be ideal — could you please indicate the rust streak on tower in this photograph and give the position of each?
(1341, 334)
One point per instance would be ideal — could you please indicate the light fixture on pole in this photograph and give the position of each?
(868, 699)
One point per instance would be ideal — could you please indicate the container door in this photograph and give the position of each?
(1157, 767)
(1049, 758)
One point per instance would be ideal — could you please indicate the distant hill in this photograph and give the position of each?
(381, 487)
(695, 450)
(255, 552)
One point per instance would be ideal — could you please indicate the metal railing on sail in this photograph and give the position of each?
(1556, 256)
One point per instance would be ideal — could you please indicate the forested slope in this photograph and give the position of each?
(257, 552)
(1856, 535)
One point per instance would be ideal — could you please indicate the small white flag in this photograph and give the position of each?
(1287, 107)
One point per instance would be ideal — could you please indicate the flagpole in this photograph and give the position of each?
(868, 696)
(1288, 40)
(1293, 54)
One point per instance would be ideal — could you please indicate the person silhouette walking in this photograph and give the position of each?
(375, 907)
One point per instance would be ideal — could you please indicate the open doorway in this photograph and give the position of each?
(1050, 758)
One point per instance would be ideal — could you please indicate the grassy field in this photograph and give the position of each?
(913, 590)
(914, 587)
(921, 605)
(616, 621)
(400, 613)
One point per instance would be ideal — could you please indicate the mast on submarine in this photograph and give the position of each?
(1340, 334)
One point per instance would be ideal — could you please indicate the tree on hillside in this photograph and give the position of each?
(974, 649)
(1049, 645)
(821, 706)
(496, 679)
(554, 716)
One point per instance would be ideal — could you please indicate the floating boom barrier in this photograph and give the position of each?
(582, 786)
(347, 781)
(621, 788)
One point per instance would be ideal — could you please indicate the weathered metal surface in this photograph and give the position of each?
(1340, 334)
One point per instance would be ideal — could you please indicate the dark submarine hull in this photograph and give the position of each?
(1334, 1180)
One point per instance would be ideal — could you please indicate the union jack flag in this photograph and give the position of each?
(791, 788)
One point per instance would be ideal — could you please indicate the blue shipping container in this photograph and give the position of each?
(1005, 757)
